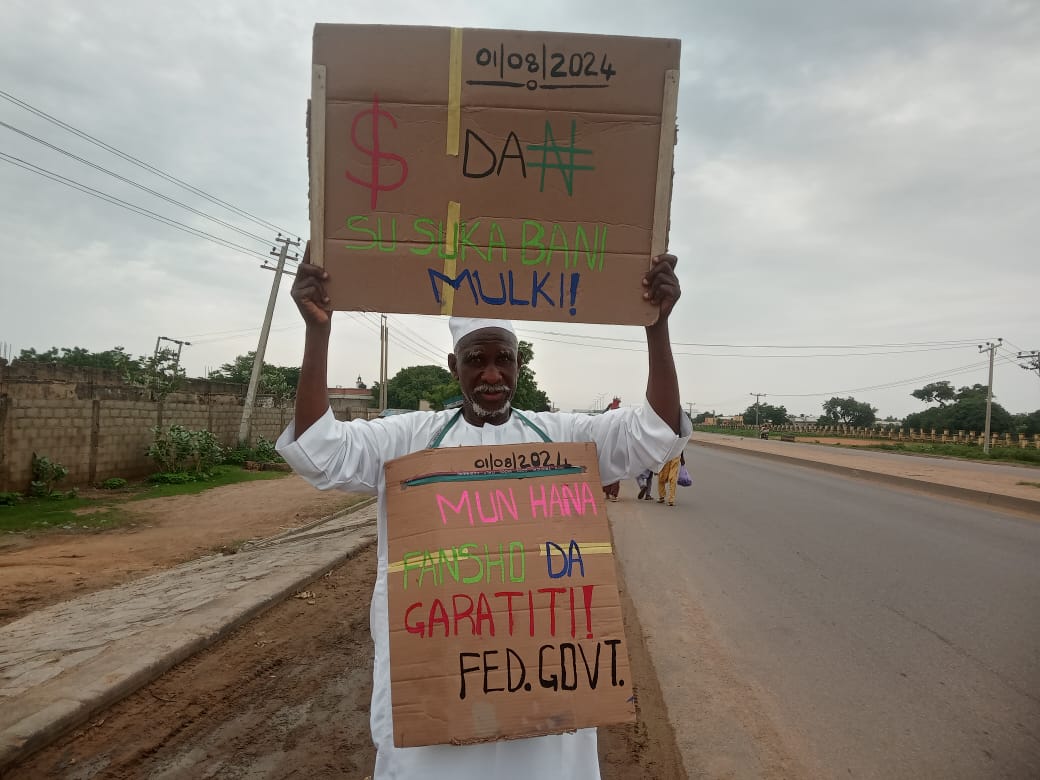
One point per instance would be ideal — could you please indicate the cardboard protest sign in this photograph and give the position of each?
(505, 619)
(491, 173)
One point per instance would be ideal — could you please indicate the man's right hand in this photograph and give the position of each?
(309, 293)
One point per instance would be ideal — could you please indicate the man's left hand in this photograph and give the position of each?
(661, 285)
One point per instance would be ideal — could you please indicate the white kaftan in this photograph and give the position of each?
(350, 456)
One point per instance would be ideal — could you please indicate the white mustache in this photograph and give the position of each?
(491, 389)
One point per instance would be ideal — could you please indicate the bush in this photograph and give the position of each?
(177, 477)
(238, 455)
(46, 473)
(179, 450)
(10, 499)
(262, 452)
(113, 483)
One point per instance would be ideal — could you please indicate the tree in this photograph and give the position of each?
(279, 381)
(700, 418)
(436, 385)
(767, 413)
(160, 372)
(410, 385)
(1032, 363)
(969, 414)
(936, 392)
(115, 359)
(1027, 424)
(848, 411)
(528, 396)
(975, 391)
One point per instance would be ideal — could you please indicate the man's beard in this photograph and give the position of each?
(481, 411)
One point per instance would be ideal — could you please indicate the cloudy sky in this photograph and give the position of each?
(857, 200)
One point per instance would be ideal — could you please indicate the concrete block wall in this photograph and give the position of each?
(224, 423)
(124, 435)
(97, 439)
(59, 429)
(98, 426)
(194, 417)
(269, 422)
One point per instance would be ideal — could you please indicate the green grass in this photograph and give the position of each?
(1029, 484)
(963, 451)
(39, 514)
(744, 433)
(222, 475)
(110, 511)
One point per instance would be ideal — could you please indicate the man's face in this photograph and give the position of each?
(486, 364)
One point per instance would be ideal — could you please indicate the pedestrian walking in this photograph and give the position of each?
(645, 482)
(668, 480)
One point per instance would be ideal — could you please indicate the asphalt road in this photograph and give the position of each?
(807, 624)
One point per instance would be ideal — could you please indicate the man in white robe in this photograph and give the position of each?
(351, 455)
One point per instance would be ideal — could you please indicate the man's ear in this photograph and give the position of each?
(453, 366)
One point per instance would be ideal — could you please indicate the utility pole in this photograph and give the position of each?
(1033, 358)
(991, 348)
(155, 358)
(384, 358)
(757, 396)
(265, 331)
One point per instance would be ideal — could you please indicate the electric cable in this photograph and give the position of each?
(133, 183)
(129, 206)
(147, 166)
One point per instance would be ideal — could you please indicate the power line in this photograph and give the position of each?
(133, 183)
(957, 371)
(359, 317)
(741, 355)
(416, 349)
(243, 334)
(952, 343)
(421, 348)
(428, 345)
(129, 206)
(140, 163)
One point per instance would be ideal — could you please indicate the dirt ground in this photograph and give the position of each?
(285, 696)
(39, 569)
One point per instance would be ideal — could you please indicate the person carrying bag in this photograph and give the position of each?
(684, 476)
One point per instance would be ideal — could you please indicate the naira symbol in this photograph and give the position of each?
(566, 169)
(375, 153)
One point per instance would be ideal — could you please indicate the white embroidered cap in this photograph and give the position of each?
(462, 326)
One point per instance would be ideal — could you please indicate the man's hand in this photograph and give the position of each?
(309, 292)
(661, 288)
(661, 285)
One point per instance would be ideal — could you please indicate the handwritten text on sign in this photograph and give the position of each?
(450, 171)
(504, 612)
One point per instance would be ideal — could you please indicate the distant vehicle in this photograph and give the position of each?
(764, 433)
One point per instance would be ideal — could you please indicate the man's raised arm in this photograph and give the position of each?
(661, 287)
(312, 394)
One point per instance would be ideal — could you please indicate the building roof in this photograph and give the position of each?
(349, 392)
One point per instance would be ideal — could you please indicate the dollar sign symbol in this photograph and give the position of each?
(375, 153)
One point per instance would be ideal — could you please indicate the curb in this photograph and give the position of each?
(998, 500)
(47, 711)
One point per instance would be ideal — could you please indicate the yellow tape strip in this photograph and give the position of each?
(451, 233)
(454, 90)
(590, 548)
